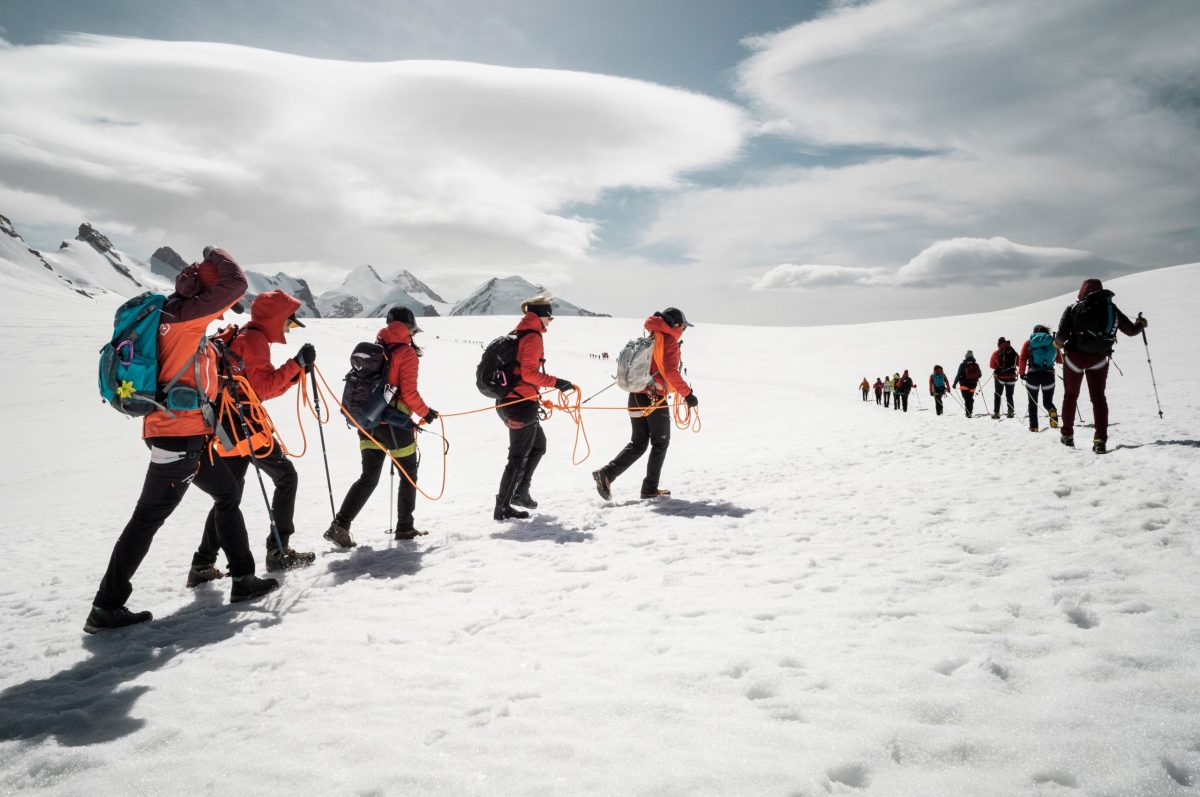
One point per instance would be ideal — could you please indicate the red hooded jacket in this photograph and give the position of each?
(203, 292)
(403, 368)
(268, 324)
(669, 336)
(531, 357)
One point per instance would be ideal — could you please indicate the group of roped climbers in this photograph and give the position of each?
(236, 363)
(1082, 345)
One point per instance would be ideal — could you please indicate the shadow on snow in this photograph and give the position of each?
(541, 529)
(677, 507)
(402, 560)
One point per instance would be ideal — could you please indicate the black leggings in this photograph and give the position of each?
(653, 430)
(1007, 388)
(372, 468)
(526, 447)
(282, 473)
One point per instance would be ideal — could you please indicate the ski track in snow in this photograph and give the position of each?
(838, 598)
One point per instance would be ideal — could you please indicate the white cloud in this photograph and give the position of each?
(281, 157)
(1067, 124)
(789, 277)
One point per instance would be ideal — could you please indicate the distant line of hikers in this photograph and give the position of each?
(1082, 345)
(204, 423)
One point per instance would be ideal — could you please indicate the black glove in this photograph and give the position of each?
(208, 251)
(564, 384)
(306, 356)
(430, 416)
(691, 400)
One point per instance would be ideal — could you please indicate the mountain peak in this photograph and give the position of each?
(98, 240)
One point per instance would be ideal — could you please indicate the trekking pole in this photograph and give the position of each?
(391, 491)
(321, 429)
(589, 398)
(1152, 381)
(258, 472)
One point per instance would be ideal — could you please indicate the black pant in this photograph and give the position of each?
(653, 430)
(887, 397)
(865, 391)
(902, 398)
(372, 468)
(968, 397)
(878, 396)
(526, 447)
(1007, 388)
(1039, 382)
(896, 400)
(165, 485)
(282, 473)
(937, 399)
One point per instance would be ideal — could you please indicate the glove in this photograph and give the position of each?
(691, 400)
(1142, 322)
(208, 251)
(430, 416)
(564, 385)
(1022, 377)
(306, 356)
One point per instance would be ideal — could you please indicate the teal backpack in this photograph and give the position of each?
(129, 361)
(1041, 351)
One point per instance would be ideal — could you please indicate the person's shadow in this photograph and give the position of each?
(1189, 443)
(543, 528)
(405, 559)
(90, 703)
(677, 507)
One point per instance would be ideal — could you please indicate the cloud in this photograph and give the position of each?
(1067, 124)
(963, 262)
(789, 277)
(282, 157)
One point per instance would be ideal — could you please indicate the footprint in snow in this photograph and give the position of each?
(856, 776)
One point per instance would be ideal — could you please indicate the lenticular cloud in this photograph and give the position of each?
(417, 158)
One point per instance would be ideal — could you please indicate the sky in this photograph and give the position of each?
(759, 162)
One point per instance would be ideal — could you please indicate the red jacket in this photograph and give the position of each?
(1004, 373)
(403, 368)
(531, 357)
(268, 324)
(669, 336)
(203, 293)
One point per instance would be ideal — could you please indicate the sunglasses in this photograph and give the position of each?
(293, 323)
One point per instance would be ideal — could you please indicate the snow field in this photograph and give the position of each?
(838, 599)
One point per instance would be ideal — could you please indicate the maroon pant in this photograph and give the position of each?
(1095, 368)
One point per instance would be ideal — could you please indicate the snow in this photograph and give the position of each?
(838, 599)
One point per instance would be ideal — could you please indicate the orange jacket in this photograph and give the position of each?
(669, 336)
(185, 320)
(403, 367)
(531, 356)
(268, 324)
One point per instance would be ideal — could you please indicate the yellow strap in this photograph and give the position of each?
(398, 453)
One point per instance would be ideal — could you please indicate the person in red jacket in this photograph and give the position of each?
(1036, 366)
(248, 355)
(1004, 375)
(878, 390)
(648, 410)
(178, 437)
(520, 411)
(1086, 335)
(397, 431)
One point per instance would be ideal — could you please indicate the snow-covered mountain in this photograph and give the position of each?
(22, 263)
(166, 262)
(364, 294)
(503, 296)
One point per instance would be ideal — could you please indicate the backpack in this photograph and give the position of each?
(905, 384)
(939, 381)
(362, 397)
(971, 370)
(1007, 362)
(1093, 321)
(494, 376)
(634, 363)
(1041, 351)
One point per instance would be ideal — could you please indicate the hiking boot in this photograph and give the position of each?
(603, 484)
(1053, 419)
(1067, 440)
(995, 416)
(504, 511)
(289, 560)
(250, 587)
(1033, 428)
(339, 535)
(657, 494)
(1098, 447)
(200, 574)
(409, 534)
(524, 499)
(99, 619)
(968, 413)
(1012, 413)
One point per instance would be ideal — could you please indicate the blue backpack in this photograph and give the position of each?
(939, 381)
(129, 362)
(1042, 351)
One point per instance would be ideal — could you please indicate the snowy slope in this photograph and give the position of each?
(838, 599)
(503, 296)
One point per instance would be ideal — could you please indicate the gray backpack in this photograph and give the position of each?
(634, 364)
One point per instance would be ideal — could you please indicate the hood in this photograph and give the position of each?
(1089, 287)
(269, 314)
(906, 372)
(394, 333)
(659, 324)
(937, 369)
(530, 321)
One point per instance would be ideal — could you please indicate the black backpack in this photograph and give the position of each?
(362, 397)
(495, 376)
(1093, 324)
(971, 370)
(1007, 362)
